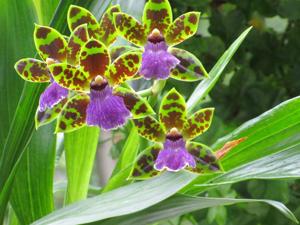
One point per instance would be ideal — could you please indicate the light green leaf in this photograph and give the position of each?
(124, 200)
(32, 194)
(206, 85)
(80, 151)
(179, 205)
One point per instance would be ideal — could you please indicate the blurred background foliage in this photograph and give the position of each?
(263, 73)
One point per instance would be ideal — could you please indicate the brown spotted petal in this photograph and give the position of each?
(182, 28)
(124, 68)
(108, 33)
(50, 43)
(73, 115)
(77, 39)
(150, 128)
(33, 70)
(137, 105)
(70, 77)
(50, 114)
(143, 167)
(172, 112)
(189, 67)
(78, 16)
(206, 161)
(94, 59)
(130, 29)
(157, 14)
(198, 123)
(116, 51)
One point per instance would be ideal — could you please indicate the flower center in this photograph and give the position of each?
(156, 37)
(99, 83)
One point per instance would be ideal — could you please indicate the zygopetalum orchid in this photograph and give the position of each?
(158, 34)
(52, 48)
(173, 150)
(103, 31)
(99, 99)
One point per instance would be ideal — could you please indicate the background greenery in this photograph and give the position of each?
(261, 75)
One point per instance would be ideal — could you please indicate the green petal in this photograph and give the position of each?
(77, 39)
(182, 28)
(116, 51)
(150, 128)
(33, 70)
(172, 112)
(130, 29)
(70, 77)
(206, 161)
(189, 68)
(108, 33)
(47, 116)
(143, 167)
(198, 123)
(124, 67)
(94, 59)
(73, 115)
(50, 43)
(157, 14)
(78, 16)
(138, 106)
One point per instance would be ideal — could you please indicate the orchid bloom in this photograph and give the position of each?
(99, 99)
(52, 48)
(173, 150)
(157, 35)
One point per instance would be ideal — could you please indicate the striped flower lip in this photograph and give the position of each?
(105, 109)
(157, 62)
(174, 156)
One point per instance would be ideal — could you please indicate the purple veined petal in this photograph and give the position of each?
(174, 156)
(157, 62)
(106, 110)
(52, 95)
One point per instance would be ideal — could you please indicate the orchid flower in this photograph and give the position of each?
(52, 48)
(99, 99)
(174, 150)
(157, 35)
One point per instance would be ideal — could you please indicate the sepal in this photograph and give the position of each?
(143, 166)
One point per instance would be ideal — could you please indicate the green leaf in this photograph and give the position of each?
(80, 151)
(32, 194)
(122, 170)
(281, 165)
(265, 135)
(124, 200)
(202, 90)
(189, 68)
(172, 111)
(157, 14)
(182, 28)
(181, 204)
